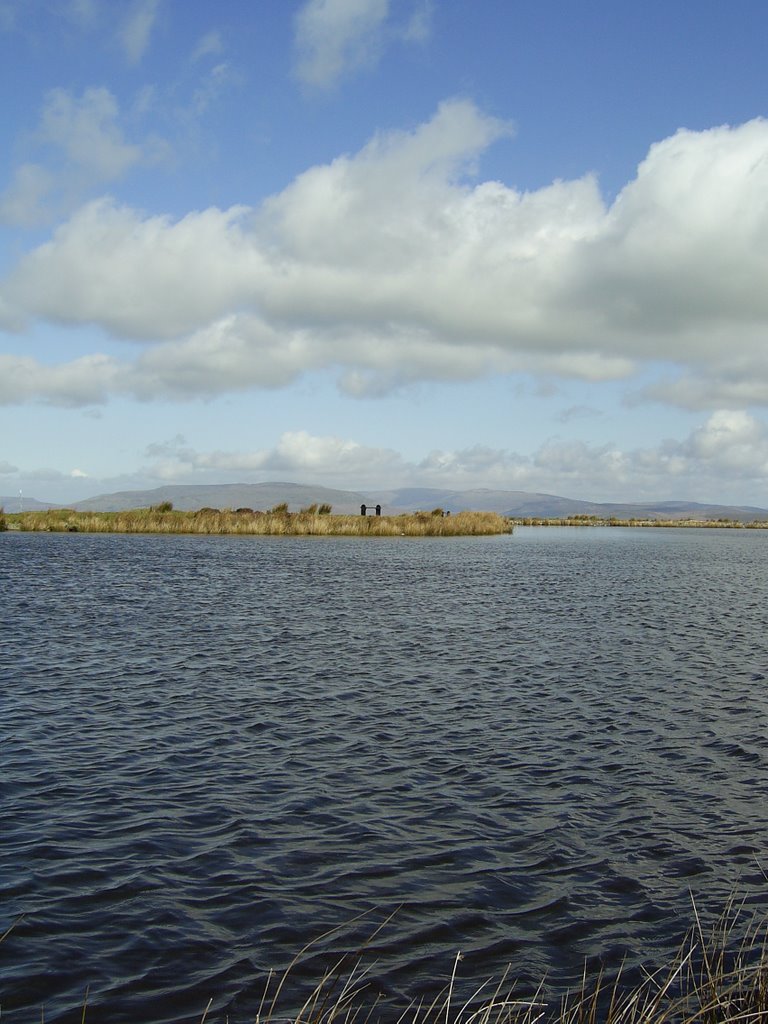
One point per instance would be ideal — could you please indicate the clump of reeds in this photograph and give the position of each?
(717, 979)
(312, 521)
(722, 979)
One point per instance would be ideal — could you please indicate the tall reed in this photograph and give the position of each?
(721, 978)
(278, 521)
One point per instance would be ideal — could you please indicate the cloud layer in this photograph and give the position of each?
(729, 449)
(395, 264)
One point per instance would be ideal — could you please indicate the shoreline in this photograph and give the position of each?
(275, 522)
(279, 521)
(592, 521)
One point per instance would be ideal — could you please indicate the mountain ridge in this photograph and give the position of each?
(513, 503)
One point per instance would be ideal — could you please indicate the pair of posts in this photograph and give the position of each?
(364, 509)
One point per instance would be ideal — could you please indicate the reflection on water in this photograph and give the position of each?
(214, 749)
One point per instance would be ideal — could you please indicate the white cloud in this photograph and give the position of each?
(140, 277)
(85, 130)
(136, 29)
(81, 145)
(736, 382)
(731, 442)
(334, 37)
(394, 265)
(84, 381)
(23, 202)
(718, 457)
(297, 453)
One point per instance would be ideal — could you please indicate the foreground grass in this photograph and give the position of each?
(247, 521)
(720, 979)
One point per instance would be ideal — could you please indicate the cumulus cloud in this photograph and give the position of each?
(727, 449)
(85, 381)
(396, 264)
(297, 453)
(140, 277)
(337, 36)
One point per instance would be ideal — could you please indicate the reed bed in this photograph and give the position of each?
(719, 979)
(276, 522)
(584, 520)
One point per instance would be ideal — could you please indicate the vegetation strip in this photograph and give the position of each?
(720, 978)
(588, 520)
(278, 521)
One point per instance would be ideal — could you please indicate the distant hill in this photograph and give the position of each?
(482, 499)
(188, 497)
(683, 510)
(520, 504)
(517, 504)
(16, 504)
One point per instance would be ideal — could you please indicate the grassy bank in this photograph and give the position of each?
(277, 521)
(584, 520)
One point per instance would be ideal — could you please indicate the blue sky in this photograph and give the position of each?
(381, 243)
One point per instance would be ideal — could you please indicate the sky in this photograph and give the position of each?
(368, 244)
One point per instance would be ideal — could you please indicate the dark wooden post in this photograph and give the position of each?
(362, 510)
(378, 510)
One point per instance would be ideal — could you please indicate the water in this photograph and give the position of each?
(532, 749)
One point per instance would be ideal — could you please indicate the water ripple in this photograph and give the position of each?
(529, 748)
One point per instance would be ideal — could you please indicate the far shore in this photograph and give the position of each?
(584, 520)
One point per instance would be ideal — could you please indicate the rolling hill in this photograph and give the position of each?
(518, 504)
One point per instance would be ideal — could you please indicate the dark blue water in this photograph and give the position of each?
(532, 749)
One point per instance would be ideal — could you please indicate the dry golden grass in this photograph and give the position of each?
(717, 979)
(720, 979)
(278, 522)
